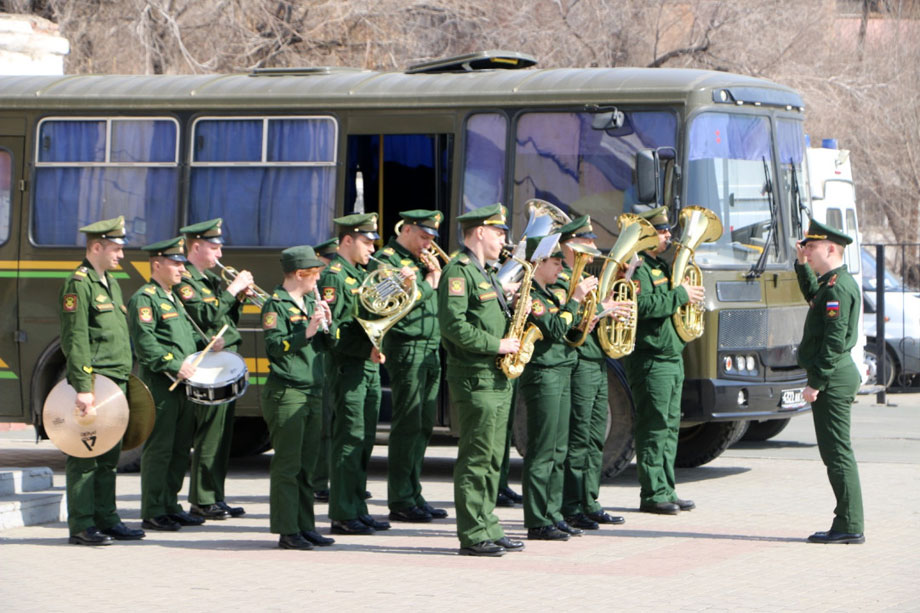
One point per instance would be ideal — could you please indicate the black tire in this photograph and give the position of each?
(765, 430)
(250, 437)
(891, 366)
(619, 447)
(130, 461)
(703, 443)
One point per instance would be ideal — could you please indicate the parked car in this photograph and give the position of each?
(902, 327)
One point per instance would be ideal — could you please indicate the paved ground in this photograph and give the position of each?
(742, 548)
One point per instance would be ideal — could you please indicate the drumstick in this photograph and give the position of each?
(202, 354)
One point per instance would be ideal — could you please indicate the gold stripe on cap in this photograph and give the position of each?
(817, 236)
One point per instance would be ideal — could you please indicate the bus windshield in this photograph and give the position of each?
(730, 170)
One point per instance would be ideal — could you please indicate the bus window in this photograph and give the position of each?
(561, 158)
(6, 174)
(834, 218)
(88, 169)
(484, 171)
(729, 162)
(271, 179)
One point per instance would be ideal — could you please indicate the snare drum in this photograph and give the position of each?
(221, 377)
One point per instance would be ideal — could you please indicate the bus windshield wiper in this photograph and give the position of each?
(759, 266)
(797, 205)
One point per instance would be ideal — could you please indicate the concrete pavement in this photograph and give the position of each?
(743, 547)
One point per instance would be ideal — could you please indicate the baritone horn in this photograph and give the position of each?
(698, 225)
(259, 296)
(618, 337)
(577, 335)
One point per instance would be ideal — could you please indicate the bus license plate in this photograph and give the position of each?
(793, 399)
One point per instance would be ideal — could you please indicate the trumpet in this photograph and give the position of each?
(259, 296)
(430, 255)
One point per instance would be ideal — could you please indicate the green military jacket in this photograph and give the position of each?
(470, 315)
(160, 329)
(94, 333)
(421, 324)
(294, 358)
(339, 286)
(591, 349)
(210, 306)
(832, 323)
(656, 302)
(553, 318)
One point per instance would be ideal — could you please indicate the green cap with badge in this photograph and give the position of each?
(494, 215)
(171, 248)
(577, 228)
(424, 219)
(658, 217)
(205, 230)
(817, 231)
(364, 224)
(298, 258)
(108, 229)
(550, 249)
(327, 248)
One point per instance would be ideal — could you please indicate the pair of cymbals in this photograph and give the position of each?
(114, 417)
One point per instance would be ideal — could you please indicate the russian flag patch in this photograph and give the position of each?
(833, 308)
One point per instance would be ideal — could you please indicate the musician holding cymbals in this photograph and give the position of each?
(163, 337)
(210, 307)
(655, 370)
(94, 339)
(292, 397)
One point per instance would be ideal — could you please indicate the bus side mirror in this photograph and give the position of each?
(648, 170)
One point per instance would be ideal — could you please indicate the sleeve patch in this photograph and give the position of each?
(537, 308)
(833, 309)
(559, 293)
(456, 286)
(145, 314)
(329, 294)
(186, 292)
(287, 345)
(70, 303)
(269, 320)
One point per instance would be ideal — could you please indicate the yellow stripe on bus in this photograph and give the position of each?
(257, 365)
(3, 364)
(40, 264)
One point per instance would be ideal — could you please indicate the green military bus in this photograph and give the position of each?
(279, 152)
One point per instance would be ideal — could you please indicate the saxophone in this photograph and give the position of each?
(512, 364)
(699, 225)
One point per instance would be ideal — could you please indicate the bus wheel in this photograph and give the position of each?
(765, 430)
(250, 437)
(130, 461)
(703, 443)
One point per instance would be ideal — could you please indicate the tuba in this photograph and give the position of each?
(545, 218)
(512, 364)
(618, 338)
(698, 225)
(384, 293)
(576, 336)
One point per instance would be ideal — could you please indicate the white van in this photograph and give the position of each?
(833, 202)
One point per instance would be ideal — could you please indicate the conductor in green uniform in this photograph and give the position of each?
(655, 370)
(94, 339)
(588, 424)
(546, 388)
(356, 377)
(292, 397)
(211, 307)
(831, 330)
(414, 366)
(324, 251)
(473, 316)
(163, 337)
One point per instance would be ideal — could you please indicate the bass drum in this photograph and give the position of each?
(220, 377)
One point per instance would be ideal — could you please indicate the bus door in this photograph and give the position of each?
(398, 164)
(11, 168)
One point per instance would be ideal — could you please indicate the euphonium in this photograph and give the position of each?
(577, 335)
(617, 337)
(259, 295)
(384, 293)
(545, 219)
(512, 364)
(699, 225)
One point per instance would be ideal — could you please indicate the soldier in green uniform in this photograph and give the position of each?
(546, 387)
(414, 365)
(473, 316)
(210, 307)
(831, 330)
(163, 337)
(292, 397)
(655, 370)
(588, 424)
(356, 380)
(94, 339)
(325, 251)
